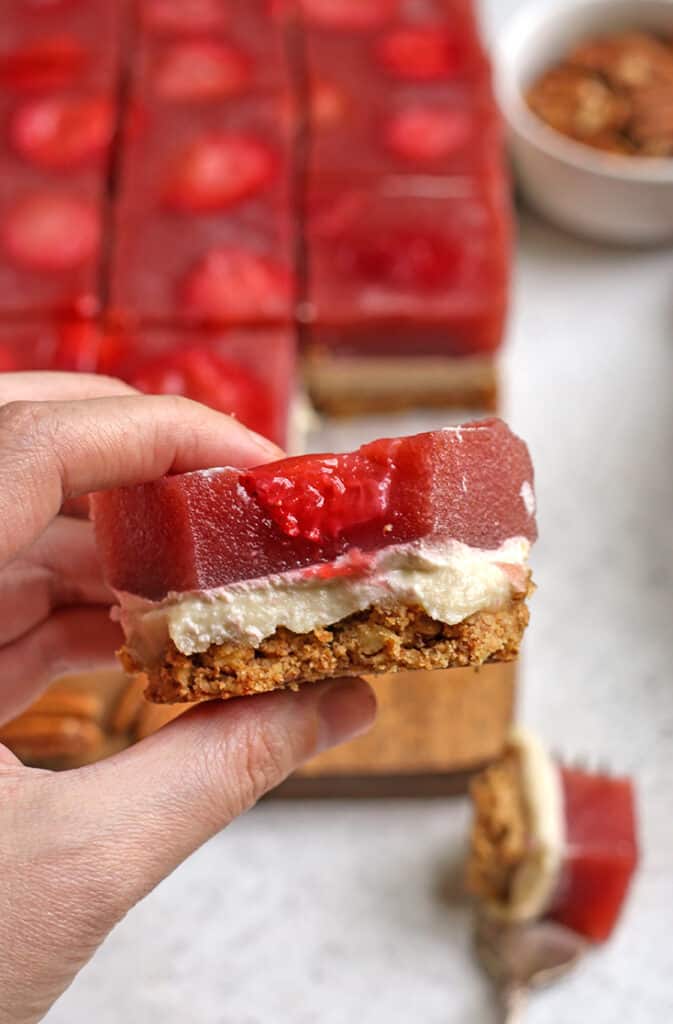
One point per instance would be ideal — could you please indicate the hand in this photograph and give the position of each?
(78, 849)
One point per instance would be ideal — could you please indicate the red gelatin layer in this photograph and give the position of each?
(70, 346)
(601, 855)
(404, 266)
(218, 527)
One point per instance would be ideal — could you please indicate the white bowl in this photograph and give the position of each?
(605, 196)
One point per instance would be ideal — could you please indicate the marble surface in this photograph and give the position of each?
(345, 911)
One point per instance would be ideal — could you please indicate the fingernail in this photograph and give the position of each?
(267, 446)
(346, 710)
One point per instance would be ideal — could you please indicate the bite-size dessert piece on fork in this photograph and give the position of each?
(549, 840)
(410, 553)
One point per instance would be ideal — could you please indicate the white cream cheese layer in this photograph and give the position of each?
(450, 581)
(537, 878)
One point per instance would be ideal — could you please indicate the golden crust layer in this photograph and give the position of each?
(500, 829)
(378, 640)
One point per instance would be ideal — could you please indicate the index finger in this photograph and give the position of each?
(52, 451)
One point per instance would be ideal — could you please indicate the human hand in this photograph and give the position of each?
(78, 849)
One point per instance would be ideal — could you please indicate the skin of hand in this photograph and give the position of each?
(78, 849)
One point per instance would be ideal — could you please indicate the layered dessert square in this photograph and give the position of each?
(59, 68)
(407, 293)
(204, 225)
(407, 220)
(246, 373)
(553, 841)
(410, 553)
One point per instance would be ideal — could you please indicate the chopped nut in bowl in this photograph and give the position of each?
(587, 89)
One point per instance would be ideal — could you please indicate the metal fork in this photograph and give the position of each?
(521, 958)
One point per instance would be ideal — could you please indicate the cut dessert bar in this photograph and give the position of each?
(59, 67)
(406, 554)
(204, 226)
(549, 840)
(407, 293)
(407, 226)
(249, 373)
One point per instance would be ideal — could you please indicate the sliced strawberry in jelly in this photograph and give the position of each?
(183, 16)
(348, 14)
(200, 70)
(203, 376)
(399, 260)
(423, 134)
(217, 171)
(52, 232)
(214, 528)
(54, 62)
(60, 132)
(319, 497)
(234, 284)
(419, 54)
(601, 855)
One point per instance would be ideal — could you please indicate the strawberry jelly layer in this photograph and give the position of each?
(470, 484)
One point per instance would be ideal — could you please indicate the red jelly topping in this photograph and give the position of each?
(54, 62)
(185, 16)
(200, 70)
(52, 231)
(217, 171)
(211, 529)
(59, 132)
(602, 852)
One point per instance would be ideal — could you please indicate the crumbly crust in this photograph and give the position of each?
(379, 640)
(480, 395)
(499, 836)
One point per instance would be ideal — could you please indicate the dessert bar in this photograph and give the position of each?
(58, 108)
(409, 553)
(551, 840)
(407, 293)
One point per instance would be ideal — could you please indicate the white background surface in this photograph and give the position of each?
(347, 912)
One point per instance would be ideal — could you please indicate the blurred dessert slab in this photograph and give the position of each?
(551, 840)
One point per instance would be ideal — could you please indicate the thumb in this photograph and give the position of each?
(80, 848)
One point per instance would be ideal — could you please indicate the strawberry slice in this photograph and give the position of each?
(217, 171)
(178, 16)
(319, 497)
(232, 284)
(419, 54)
(59, 132)
(400, 260)
(422, 134)
(199, 70)
(348, 14)
(204, 376)
(50, 231)
(54, 62)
